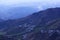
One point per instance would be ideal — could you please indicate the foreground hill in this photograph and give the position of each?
(42, 25)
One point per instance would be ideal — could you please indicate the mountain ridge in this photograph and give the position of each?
(35, 25)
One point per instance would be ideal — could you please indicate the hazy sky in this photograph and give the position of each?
(40, 4)
(30, 2)
(37, 3)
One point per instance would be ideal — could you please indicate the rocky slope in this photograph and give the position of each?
(43, 25)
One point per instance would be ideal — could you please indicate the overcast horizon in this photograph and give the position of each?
(33, 6)
(27, 3)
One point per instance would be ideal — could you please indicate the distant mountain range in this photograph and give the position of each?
(16, 12)
(42, 25)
